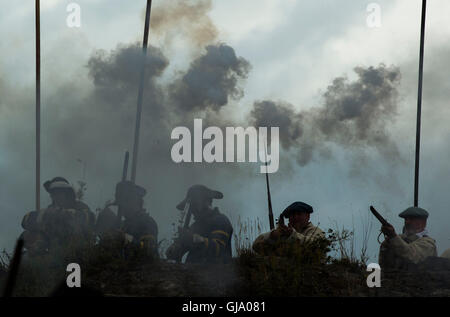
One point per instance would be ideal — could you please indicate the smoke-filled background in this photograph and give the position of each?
(342, 94)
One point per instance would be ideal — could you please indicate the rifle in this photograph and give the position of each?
(187, 211)
(187, 220)
(13, 269)
(124, 178)
(269, 199)
(379, 217)
(281, 220)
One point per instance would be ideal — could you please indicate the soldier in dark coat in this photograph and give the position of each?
(65, 221)
(208, 239)
(138, 230)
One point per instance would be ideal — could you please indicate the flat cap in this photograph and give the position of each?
(414, 212)
(298, 206)
(199, 193)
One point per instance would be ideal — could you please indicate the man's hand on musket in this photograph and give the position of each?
(389, 231)
(281, 231)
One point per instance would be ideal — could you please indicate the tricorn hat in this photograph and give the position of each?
(199, 192)
(298, 206)
(414, 212)
(57, 183)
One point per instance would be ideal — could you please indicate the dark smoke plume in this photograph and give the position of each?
(93, 121)
(211, 80)
(354, 115)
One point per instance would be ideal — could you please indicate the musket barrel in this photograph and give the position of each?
(125, 166)
(269, 199)
(378, 216)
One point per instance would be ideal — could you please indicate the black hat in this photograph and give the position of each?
(127, 190)
(57, 182)
(298, 206)
(199, 192)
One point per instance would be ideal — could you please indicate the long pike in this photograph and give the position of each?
(141, 92)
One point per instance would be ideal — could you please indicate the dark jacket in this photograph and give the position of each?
(217, 230)
(57, 226)
(140, 229)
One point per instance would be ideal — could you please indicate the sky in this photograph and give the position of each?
(288, 62)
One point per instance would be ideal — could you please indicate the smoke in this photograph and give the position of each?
(354, 115)
(92, 119)
(211, 81)
(187, 19)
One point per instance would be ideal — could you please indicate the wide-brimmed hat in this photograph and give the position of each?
(199, 193)
(57, 183)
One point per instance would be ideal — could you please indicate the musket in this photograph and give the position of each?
(187, 220)
(140, 92)
(188, 213)
(124, 178)
(125, 166)
(269, 199)
(379, 217)
(281, 220)
(13, 269)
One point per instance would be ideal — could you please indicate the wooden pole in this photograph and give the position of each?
(141, 92)
(38, 105)
(419, 105)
